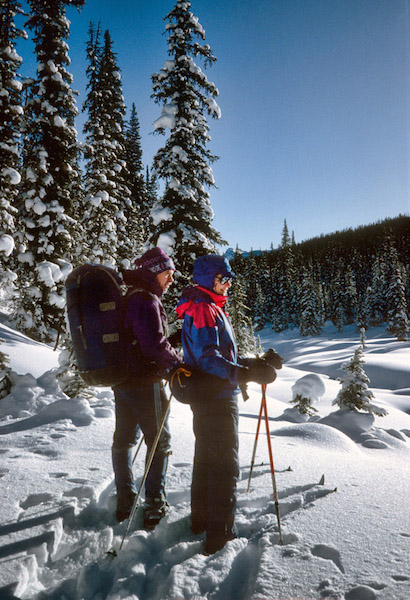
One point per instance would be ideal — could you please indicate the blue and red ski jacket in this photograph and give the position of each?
(208, 339)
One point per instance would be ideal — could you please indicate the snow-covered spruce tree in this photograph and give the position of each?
(287, 314)
(361, 318)
(47, 231)
(241, 322)
(182, 219)
(11, 112)
(374, 303)
(260, 314)
(350, 296)
(337, 298)
(251, 279)
(107, 202)
(398, 321)
(137, 227)
(267, 282)
(363, 337)
(70, 382)
(305, 391)
(310, 306)
(304, 405)
(355, 393)
(286, 239)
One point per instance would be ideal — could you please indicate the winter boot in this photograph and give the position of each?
(216, 540)
(154, 510)
(125, 502)
(197, 528)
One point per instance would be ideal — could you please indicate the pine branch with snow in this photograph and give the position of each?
(5, 379)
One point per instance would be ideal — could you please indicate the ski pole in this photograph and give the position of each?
(272, 467)
(138, 449)
(254, 448)
(147, 468)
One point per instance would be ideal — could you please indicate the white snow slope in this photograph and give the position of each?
(345, 538)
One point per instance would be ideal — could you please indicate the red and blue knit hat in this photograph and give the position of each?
(155, 260)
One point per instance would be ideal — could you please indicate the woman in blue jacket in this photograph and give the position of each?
(208, 342)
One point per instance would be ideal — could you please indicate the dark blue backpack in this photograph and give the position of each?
(95, 310)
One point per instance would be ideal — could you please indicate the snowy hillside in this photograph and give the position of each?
(346, 537)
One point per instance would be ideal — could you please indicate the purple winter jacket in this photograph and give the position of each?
(146, 322)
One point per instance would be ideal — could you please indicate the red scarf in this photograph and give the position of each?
(218, 299)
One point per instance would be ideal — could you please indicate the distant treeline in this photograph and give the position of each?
(353, 276)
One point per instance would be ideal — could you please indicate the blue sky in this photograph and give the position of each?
(315, 106)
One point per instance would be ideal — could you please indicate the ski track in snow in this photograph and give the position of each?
(63, 544)
(54, 543)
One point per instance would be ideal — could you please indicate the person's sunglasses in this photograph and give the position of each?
(224, 280)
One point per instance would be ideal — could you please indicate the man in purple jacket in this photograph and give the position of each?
(140, 402)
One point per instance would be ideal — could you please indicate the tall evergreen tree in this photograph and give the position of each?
(262, 304)
(138, 217)
(46, 239)
(151, 186)
(310, 306)
(374, 301)
(241, 322)
(398, 322)
(11, 112)
(251, 283)
(107, 201)
(10, 125)
(287, 312)
(350, 295)
(286, 240)
(337, 300)
(182, 220)
(92, 101)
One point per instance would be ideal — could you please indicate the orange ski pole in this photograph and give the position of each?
(272, 467)
(254, 448)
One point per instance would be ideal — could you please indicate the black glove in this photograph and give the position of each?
(257, 370)
(273, 358)
(175, 338)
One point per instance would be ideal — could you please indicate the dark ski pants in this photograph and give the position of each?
(216, 467)
(140, 408)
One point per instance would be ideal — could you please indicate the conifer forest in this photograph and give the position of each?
(64, 202)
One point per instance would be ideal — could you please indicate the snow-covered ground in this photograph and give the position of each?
(346, 537)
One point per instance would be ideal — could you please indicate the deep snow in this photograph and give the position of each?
(346, 538)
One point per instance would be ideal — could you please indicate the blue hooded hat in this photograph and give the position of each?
(207, 267)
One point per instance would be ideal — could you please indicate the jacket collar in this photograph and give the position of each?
(216, 298)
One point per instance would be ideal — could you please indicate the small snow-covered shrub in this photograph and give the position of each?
(355, 393)
(307, 390)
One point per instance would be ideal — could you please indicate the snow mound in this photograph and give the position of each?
(309, 386)
(318, 434)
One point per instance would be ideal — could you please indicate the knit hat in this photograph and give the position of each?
(207, 267)
(155, 260)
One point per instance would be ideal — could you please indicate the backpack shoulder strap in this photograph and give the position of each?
(140, 291)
